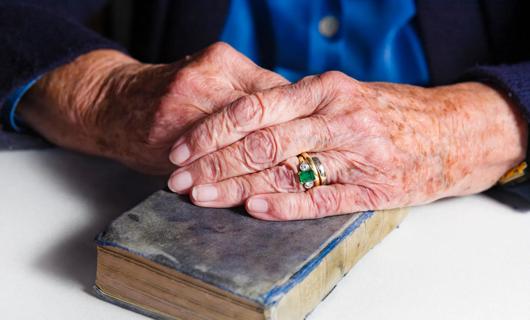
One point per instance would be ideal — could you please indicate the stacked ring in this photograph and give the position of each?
(321, 171)
(311, 171)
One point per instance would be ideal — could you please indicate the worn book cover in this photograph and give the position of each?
(169, 259)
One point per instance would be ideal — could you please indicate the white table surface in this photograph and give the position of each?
(466, 258)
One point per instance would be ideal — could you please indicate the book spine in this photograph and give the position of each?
(307, 294)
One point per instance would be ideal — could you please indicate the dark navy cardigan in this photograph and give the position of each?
(481, 40)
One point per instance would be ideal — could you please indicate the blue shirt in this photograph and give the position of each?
(371, 40)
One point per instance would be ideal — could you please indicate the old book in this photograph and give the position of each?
(169, 259)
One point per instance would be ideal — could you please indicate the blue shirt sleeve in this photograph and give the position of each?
(9, 109)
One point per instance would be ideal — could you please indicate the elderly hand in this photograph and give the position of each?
(383, 146)
(109, 104)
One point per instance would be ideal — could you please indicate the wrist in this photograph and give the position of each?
(487, 135)
(64, 104)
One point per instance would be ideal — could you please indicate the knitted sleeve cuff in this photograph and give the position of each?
(513, 80)
(34, 41)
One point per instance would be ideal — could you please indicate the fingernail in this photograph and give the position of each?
(205, 192)
(180, 154)
(258, 205)
(180, 182)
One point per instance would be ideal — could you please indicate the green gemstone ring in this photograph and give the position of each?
(310, 171)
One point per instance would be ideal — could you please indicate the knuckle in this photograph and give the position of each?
(333, 76)
(246, 111)
(214, 55)
(271, 79)
(203, 136)
(309, 79)
(211, 167)
(324, 135)
(260, 148)
(242, 188)
(315, 93)
(325, 201)
(338, 82)
(370, 199)
(282, 179)
(219, 48)
(312, 84)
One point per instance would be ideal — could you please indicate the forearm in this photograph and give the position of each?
(65, 104)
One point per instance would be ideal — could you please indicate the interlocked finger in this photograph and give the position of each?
(283, 178)
(258, 151)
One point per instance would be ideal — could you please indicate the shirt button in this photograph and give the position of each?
(328, 26)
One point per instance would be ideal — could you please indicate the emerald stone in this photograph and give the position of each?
(306, 176)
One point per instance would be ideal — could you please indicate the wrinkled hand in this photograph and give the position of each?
(107, 103)
(383, 146)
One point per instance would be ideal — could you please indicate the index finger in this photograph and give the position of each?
(246, 115)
